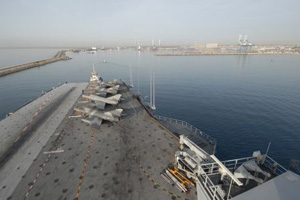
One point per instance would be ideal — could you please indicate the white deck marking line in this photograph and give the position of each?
(40, 170)
(36, 177)
(34, 116)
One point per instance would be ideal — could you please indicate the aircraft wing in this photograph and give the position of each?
(101, 94)
(102, 100)
(100, 104)
(115, 97)
(112, 91)
(96, 123)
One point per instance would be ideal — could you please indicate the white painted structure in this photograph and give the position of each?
(94, 76)
(220, 180)
(152, 91)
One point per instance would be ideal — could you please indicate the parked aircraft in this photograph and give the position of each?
(112, 116)
(103, 91)
(101, 101)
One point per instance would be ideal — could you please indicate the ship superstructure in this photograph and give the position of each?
(256, 177)
(94, 76)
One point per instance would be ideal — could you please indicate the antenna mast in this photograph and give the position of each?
(130, 76)
(153, 80)
(152, 91)
(138, 82)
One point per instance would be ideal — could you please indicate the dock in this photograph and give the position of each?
(61, 55)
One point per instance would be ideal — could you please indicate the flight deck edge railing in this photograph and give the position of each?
(189, 126)
(212, 168)
(233, 164)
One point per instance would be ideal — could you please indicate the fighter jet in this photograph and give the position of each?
(95, 117)
(102, 88)
(101, 101)
(112, 116)
(110, 83)
(104, 91)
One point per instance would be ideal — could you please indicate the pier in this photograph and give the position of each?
(61, 55)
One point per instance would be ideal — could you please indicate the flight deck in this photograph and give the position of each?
(97, 140)
(74, 160)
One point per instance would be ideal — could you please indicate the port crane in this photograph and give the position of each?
(245, 45)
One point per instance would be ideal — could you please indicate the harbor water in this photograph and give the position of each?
(244, 102)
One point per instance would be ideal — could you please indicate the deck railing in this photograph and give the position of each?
(232, 165)
(295, 166)
(210, 188)
(189, 126)
(274, 166)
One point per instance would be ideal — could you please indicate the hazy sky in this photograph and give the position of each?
(53, 23)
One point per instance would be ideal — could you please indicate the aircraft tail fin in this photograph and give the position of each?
(116, 87)
(117, 112)
(115, 97)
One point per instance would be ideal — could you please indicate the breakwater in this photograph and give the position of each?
(61, 55)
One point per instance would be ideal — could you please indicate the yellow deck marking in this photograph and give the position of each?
(85, 163)
(155, 183)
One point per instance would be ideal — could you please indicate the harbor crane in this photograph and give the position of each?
(245, 45)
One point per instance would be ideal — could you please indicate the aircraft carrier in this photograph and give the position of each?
(97, 140)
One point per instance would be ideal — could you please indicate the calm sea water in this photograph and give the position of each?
(243, 101)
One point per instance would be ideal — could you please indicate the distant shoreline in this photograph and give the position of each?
(228, 54)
